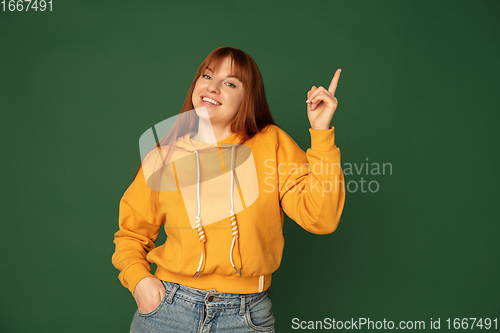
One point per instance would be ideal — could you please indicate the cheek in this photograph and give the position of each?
(240, 100)
(196, 92)
(197, 86)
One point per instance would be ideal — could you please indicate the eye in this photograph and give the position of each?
(208, 77)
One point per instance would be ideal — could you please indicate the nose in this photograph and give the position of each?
(213, 87)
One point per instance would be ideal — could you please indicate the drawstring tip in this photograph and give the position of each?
(238, 271)
(195, 274)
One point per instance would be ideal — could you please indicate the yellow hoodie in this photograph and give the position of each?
(222, 209)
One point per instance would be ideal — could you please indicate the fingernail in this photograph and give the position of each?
(312, 100)
(307, 100)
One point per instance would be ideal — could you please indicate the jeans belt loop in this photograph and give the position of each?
(242, 305)
(172, 293)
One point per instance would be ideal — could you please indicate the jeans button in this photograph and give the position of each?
(210, 298)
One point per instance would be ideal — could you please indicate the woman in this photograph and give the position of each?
(218, 182)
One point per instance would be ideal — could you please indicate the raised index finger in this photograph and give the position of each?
(335, 81)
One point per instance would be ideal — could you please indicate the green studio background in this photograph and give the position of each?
(418, 91)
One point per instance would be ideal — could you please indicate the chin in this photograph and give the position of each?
(203, 112)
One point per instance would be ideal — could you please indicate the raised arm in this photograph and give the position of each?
(313, 193)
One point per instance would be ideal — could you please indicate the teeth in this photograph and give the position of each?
(206, 99)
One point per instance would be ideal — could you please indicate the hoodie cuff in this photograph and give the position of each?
(323, 140)
(134, 274)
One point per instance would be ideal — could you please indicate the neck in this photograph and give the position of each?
(207, 131)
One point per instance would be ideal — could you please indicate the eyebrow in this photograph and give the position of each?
(227, 76)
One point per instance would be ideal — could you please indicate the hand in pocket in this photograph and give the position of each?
(148, 294)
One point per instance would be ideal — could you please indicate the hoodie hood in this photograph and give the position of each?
(187, 143)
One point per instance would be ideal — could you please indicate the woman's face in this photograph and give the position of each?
(223, 90)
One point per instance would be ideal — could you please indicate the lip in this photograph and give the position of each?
(209, 104)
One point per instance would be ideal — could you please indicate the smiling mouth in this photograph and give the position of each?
(209, 102)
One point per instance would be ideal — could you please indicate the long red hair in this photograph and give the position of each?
(252, 117)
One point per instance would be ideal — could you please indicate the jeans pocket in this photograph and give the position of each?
(150, 313)
(259, 316)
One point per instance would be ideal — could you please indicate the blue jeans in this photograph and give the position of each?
(184, 309)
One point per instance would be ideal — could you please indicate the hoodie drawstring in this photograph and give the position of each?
(199, 227)
(234, 225)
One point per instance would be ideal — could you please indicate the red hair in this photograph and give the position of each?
(252, 117)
